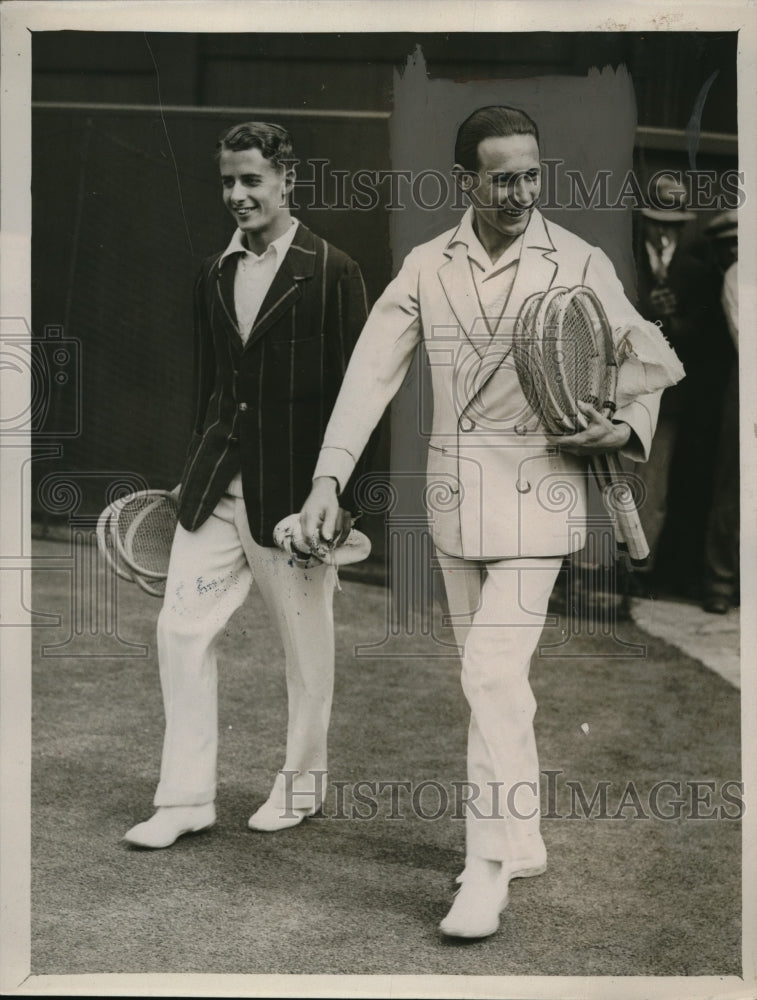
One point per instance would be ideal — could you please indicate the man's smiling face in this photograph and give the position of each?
(505, 188)
(255, 192)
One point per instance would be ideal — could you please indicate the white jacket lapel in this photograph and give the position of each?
(460, 289)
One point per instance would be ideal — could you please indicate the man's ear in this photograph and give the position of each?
(466, 180)
(288, 178)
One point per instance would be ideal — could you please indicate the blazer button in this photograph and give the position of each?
(243, 407)
(521, 429)
(466, 424)
(523, 486)
(234, 440)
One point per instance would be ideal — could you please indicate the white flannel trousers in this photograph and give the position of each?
(210, 573)
(498, 610)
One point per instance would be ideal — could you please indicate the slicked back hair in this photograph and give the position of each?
(495, 121)
(273, 141)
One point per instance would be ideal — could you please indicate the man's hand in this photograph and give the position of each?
(663, 301)
(321, 518)
(601, 435)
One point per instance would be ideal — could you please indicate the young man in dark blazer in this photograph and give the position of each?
(276, 316)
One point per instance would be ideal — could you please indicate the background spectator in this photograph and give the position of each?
(721, 554)
(679, 289)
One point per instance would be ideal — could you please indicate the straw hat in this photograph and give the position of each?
(668, 201)
(288, 536)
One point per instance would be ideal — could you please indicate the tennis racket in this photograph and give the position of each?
(586, 369)
(564, 353)
(106, 543)
(136, 533)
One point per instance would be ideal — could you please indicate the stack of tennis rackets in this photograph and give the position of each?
(135, 533)
(564, 354)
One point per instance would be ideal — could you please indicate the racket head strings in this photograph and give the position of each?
(546, 335)
(145, 524)
(564, 353)
(527, 358)
(530, 364)
(135, 535)
(578, 365)
(592, 322)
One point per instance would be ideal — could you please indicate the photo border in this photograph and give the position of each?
(18, 21)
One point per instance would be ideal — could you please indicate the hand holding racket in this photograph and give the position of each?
(565, 356)
(616, 492)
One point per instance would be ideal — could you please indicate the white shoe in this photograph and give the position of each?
(479, 901)
(169, 823)
(270, 818)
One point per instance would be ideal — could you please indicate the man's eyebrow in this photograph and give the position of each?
(514, 173)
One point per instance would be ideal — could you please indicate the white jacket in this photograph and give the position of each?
(496, 489)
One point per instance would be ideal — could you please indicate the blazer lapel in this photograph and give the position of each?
(460, 289)
(285, 290)
(225, 272)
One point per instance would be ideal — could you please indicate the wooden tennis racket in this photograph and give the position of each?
(135, 534)
(106, 543)
(564, 354)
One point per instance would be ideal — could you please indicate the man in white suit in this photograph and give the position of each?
(518, 499)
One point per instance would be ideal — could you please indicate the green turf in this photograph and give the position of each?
(622, 896)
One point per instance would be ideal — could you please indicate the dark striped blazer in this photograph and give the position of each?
(263, 406)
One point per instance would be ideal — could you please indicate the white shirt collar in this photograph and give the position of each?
(280, 245)
(466, 234)
(665, 254)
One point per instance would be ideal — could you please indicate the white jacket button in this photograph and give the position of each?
(466, 424)
(523, 486)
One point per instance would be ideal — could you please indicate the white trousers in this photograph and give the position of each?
(209, 576)
(498, 611)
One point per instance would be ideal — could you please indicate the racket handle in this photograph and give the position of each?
(620, 501)
(604, 482)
